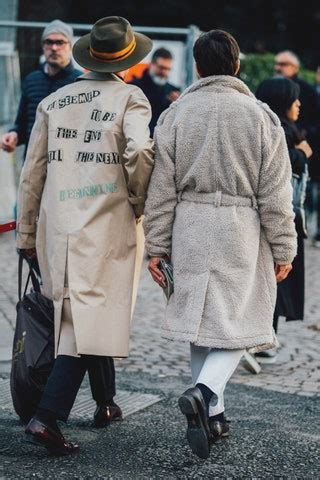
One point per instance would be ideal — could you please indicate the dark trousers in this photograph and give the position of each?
(275, 322)
(65, 380)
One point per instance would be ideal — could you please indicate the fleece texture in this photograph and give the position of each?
(220, 204)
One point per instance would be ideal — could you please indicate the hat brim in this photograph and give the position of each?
(82, 55)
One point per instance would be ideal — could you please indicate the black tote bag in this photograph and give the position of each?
(33, 347)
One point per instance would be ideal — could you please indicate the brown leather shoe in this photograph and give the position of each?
(105, 414)
(40, 434)
(218, 429)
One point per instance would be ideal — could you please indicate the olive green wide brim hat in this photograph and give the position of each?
(111, 46)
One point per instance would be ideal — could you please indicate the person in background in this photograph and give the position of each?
(287, 64)
(318, 81)
(154, 84)
(282, 96)
(56, 72)
(216, 212)
(316, 175)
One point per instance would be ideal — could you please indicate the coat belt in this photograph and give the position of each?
(218, 199)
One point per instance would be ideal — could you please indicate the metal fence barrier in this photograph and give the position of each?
(27, 33)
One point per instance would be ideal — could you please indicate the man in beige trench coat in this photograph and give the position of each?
(82, 188)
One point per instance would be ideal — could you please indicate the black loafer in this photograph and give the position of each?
(193, 406)
(218, 429)
(105, 414)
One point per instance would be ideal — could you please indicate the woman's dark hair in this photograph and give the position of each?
(279, 94)
(216, 53)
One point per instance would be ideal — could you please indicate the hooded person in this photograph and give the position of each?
(82, 190)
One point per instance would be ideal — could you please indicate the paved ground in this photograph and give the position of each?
(274, 414)
(270, 439)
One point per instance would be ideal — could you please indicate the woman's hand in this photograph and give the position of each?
(305, 147)
(156, 273)
(282, 271)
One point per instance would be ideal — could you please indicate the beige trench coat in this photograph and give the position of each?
(84, 181)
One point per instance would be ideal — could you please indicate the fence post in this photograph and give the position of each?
(192, 36)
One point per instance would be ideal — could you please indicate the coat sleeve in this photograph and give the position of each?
(298, 158)
(32, 181)
(275, 194)
(20, 124)
(162, 194)
(138, 155)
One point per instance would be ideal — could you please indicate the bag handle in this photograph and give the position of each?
(32, 275)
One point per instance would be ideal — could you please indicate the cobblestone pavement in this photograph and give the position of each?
(297, 369)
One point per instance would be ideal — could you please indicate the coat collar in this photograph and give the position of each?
(100, 76)
(219, 82)
(64, 72)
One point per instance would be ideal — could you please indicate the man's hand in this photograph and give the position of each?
(30, 254)
(9, 141)
(282, 271)
(156, 273)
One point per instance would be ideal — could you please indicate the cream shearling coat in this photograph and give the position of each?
(220, 204)
(85, 177)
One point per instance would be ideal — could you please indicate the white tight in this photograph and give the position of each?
(214, 368)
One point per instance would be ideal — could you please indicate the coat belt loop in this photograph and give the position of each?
(217, 198)
(254, 202)
(179, 196)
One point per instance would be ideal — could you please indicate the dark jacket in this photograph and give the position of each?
(156, 94)
(294, 137)
(291, 292)
(309, 122)
(36, 86)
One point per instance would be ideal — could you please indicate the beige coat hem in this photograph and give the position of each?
(253, 344)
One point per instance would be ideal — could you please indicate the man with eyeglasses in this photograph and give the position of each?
(56, 72)
(287, 64)
(154, 84)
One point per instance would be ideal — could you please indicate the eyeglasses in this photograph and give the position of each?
(284, 64)
(163, 67)
(49, 43)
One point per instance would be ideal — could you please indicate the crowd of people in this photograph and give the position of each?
(223, 198)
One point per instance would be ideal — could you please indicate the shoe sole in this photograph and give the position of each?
(196, 433)
(251, 364)
(107, 424)
(266, 360)
(37, 442)
(33, 440)
(214, 439)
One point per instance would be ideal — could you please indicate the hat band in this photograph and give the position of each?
(114, 56)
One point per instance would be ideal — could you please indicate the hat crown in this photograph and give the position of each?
(111, 46)
(111, 34)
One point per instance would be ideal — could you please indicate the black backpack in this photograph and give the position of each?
(33, 347)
